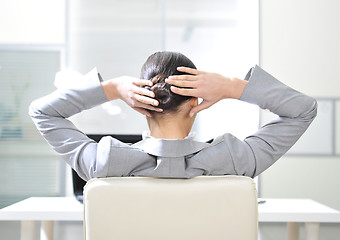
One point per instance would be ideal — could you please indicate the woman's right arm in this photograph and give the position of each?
(211, 87)
(260, 150)
(295, 111)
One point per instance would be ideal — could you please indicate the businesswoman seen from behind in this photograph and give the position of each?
(167, 93)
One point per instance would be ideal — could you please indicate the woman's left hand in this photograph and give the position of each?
(130, 91)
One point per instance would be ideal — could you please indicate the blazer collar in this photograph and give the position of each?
(170, 147)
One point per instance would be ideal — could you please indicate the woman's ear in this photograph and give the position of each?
(193, 102)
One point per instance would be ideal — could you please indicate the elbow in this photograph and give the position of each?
(310, 111)
(313, 109)
(32, 109)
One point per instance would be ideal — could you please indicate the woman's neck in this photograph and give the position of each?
(170, 128)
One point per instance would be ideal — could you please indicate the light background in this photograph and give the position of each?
(298, 44)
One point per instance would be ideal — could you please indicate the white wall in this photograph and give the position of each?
(300, 45)
(117, 38)
(32, 22)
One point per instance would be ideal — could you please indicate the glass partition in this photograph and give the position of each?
(29, 167)
(118, 36)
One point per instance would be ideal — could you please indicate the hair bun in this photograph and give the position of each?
(157, 68)
(162, 92)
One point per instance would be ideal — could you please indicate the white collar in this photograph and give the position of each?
(146, 134)
(170, 147)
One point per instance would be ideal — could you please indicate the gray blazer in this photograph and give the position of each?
(184, 158)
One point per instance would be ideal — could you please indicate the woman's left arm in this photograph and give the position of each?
(50, 115)
(128, 89)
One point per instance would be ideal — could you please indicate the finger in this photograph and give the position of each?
(148, 107)
(143, 111)
(143, 91)
(184, 91)
(189, 70)
(142, 82)
(183, 77)
(182, 83)
(146, 100)
(203, 105)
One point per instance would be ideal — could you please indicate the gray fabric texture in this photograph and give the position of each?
(184, 158)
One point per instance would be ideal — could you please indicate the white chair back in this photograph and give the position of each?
(207, 207)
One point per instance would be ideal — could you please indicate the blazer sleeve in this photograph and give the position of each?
(296, 111)
(50, 114)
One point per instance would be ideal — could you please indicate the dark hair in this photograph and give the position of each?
(157, 68)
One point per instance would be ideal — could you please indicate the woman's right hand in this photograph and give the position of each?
(211, 87)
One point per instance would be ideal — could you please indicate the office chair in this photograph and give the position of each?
(205, 207)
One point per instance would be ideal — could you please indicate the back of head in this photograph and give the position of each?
(157, 68)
